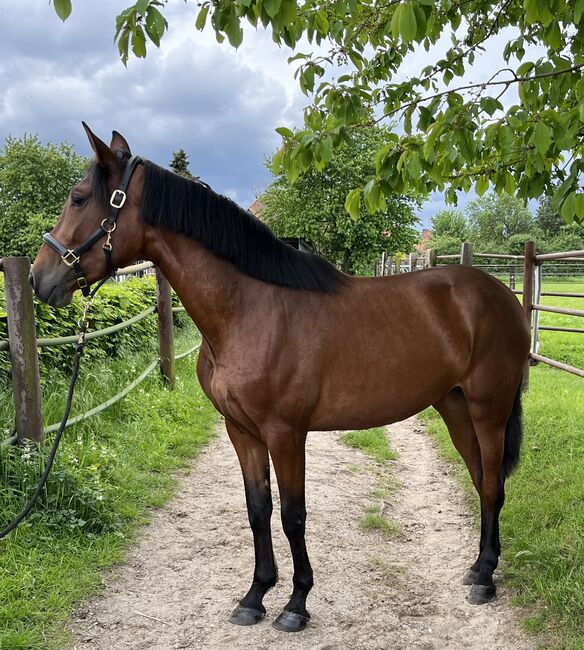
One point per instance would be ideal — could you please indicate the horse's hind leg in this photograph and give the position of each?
(253, 458)
(453, 408)
(490, 417)
(288, 456)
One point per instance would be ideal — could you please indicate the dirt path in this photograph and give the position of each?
(196, 558)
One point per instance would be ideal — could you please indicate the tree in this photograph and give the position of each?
(449, 223)
(35, 180)
(180, 163)
(446, 133)
(314, 208)
(547, 219)
(493, 220)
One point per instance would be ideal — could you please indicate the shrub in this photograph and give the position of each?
(115, 302)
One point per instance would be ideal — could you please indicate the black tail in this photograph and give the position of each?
(513, 437)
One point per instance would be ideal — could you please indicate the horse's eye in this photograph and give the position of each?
(77, 200)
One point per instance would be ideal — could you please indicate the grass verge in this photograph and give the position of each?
(109, 472)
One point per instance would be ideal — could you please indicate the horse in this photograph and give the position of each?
(290, 345)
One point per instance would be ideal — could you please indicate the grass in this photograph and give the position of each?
(374, 443)
(542, 523)
(109, 472)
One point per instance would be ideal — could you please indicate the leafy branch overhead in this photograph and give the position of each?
(519, 131)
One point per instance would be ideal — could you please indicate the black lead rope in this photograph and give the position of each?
(81, 342)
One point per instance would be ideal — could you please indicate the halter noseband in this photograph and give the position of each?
(72, 257)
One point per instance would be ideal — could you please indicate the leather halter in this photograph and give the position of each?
(72, 257)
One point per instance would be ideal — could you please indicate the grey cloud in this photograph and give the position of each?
(200, 97)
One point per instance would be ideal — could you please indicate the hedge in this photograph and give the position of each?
(116, 302)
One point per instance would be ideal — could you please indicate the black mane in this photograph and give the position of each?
(193, 209)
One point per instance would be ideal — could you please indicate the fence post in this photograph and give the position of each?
(165, 328)
(431, 257)
(24, 360)
(528, 282)
(397, 265)
(466, 254)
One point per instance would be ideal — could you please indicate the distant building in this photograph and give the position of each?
(422, 245)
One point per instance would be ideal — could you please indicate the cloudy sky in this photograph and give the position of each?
(218, 104)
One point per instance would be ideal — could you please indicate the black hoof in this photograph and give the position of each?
(471, 578)
(481, 594)
(246, 616)
(290, 622)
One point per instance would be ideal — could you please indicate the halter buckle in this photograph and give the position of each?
(70, 258)
(118, 198)
(82, 282)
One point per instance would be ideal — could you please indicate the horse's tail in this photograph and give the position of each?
(513, 437)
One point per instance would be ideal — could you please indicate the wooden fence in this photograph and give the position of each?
(22, 344)
(532, 292)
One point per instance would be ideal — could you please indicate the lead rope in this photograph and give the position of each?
(79, 348)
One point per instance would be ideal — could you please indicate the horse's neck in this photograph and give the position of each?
(209, 287)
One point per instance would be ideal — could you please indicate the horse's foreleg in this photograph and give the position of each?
(253, 458)
(287, 452)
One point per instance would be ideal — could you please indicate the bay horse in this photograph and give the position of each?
(291, 345)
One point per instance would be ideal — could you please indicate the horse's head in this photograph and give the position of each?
(99, 228)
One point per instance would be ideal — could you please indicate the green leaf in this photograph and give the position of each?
(579, 206)
(353, 204)
(568, 208)
(138, 42)
(141, 7)
(155, 25)
(62, 8)
(202, 18)
(481, 186)
(326, 149)
(490, 105)
(285, 132)
(407, 23)
(272, 7)
(541, 138)
(234, 32)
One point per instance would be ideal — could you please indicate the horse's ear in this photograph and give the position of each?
(104, 156)
(119, 143)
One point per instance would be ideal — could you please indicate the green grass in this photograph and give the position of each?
(373, 442)
(374, 522)
(542, 523)
(109, 472)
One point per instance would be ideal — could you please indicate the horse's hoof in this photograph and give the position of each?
(246, 616)
(471, 578)
(481, 594)
(290, 622)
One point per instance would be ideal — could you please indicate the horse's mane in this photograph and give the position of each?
(192, 208)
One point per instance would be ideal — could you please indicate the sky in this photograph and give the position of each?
(218, 104)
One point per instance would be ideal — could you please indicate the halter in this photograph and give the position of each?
(72, 257)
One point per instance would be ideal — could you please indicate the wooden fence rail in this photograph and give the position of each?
(23, 345)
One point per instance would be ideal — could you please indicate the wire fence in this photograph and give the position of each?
(23, 347)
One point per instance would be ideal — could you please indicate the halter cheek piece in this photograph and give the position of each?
(72, 257)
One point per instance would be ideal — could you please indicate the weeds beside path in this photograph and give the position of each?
(110, 470)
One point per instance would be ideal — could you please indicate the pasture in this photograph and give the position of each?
(543, 517)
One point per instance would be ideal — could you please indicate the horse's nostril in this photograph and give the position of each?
(31, 279)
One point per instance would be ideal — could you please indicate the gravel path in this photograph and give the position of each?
(196, 559)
